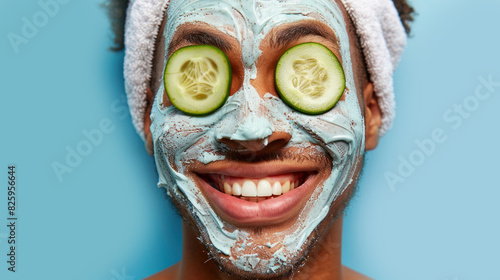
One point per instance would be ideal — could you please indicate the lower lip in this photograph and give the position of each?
(268, 212)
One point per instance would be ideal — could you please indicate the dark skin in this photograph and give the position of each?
(324, 260)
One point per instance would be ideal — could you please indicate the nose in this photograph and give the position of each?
(276, 141)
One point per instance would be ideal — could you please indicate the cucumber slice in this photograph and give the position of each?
(310, 78)
(198, 79)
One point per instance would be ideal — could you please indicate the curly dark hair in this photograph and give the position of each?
(116, 10)
(406, 13)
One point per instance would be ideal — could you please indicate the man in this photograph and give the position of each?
(262, 180)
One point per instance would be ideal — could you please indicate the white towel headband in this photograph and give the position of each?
(377, 22)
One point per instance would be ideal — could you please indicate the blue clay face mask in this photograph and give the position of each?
(182, 142)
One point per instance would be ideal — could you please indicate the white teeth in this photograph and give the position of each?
(285, 187)
(236, 189)
(264, 188)
(277, 188)
(227, 189)
(249, 189)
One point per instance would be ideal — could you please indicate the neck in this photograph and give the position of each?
(323, 262)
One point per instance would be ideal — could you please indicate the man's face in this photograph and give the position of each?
(255, 138)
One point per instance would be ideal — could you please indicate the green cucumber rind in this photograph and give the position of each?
(217, 105)
(284, 97)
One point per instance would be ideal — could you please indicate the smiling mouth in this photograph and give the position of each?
(256, 189)
(263, 193)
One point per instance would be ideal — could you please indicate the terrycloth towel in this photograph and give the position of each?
(143, 21)
(383, 39)
(378, 26)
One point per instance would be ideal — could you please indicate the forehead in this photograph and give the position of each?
(247, 19)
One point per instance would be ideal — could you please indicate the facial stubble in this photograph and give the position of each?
(314, 241)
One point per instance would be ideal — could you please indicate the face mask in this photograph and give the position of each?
(180, 140)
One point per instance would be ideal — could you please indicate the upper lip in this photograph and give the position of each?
(254, 170)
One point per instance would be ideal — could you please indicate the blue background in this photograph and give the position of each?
(107, 220)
